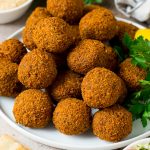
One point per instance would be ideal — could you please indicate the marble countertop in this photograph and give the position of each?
(5, 31)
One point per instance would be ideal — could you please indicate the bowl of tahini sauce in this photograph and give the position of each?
(11, 10)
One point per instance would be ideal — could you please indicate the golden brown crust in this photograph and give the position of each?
(33, 108)
(38, 14)
(99, 24)
(112, 124)
(90, 54)
(37, 69)
(9, 83)
(126, 28)
(67, 84)
(53, 35)
(72, 116)
(69, 10)
(12, 50)
(131, 74)
(101, 88)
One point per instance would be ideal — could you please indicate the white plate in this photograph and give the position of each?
(52, 137)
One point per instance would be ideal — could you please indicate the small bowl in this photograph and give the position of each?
(134, 145)
(13, 14)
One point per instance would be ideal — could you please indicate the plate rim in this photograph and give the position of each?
(56, 144)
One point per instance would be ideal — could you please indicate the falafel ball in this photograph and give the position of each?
(88, 8)
(131, 74)
(125, 27)
(12, 50)
(67, 84)
(37, 69)
(99, 24)
(112, 124)
(9, 83)
(69, 10)
(90, 54)
(53, 35)
(33, 108)
(101, 88)
(38, 14)
(72, 116)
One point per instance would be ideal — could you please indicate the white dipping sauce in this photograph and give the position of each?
(9, 4)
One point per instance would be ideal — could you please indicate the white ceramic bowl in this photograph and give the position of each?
(134, 145)
(13, 14)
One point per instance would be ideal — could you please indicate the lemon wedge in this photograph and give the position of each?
(143, 32)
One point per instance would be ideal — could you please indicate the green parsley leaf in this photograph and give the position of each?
(139, 103)
(139, 51)
(92, 1)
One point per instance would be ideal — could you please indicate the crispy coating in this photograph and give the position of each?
(72, 116)
(38, 14)
(33, 108)
(67, 84)
(101, 88)
(53, 35)
(76, 34)
(126, 28)
(90, 54)
(112, 124)
(88, 8)
(131, 74)
(9, 83)
(69, 10)
(12, 50)
(99, 24)
(37, 69)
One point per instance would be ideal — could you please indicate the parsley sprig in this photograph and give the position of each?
(139, 51)
(92, 1)
(138, 103)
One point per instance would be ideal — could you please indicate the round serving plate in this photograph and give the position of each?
(50, 136)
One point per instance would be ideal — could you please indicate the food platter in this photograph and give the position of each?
(52, 137)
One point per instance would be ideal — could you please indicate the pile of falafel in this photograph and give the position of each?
(66, 52)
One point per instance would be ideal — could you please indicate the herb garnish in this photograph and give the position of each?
(138, 103)
(92, 1)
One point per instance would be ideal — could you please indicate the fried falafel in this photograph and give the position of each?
(69, 10)
(101, 88)
(67, 84)
(38, 14)
(37, 69)
(13, 50)
(99, 24)
(90, 54)
(53, 35)
(125, 28)
(112, 124)
(33, 108)
(9, 83)
(72, 116)
(131, 74)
